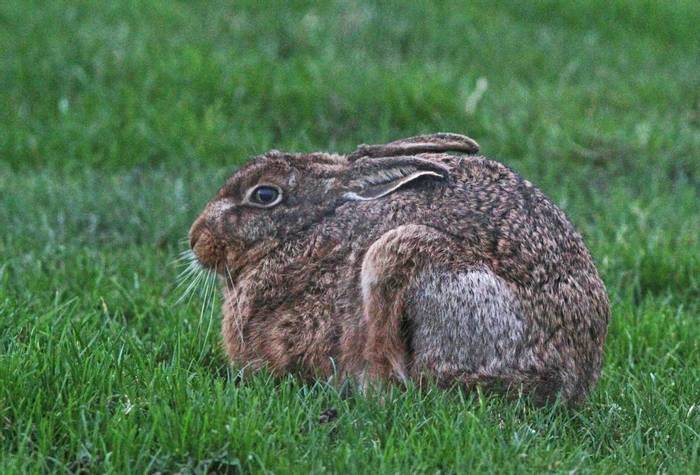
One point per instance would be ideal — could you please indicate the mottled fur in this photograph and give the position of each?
(405, 262)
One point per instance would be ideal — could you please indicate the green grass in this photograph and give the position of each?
(118, 120)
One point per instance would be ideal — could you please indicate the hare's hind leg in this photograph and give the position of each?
(465, 326)
(429, 312)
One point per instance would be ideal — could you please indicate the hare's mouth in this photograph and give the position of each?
(209, 251)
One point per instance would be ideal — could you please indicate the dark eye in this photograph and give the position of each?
(265, 195)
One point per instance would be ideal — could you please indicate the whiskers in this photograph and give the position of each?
(192, 278)
(195, 279)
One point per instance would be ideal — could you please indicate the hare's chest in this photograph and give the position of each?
(284, 322)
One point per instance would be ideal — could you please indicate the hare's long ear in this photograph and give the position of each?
(371, 178)
(438, 142)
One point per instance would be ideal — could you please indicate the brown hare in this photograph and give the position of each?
(404, 262)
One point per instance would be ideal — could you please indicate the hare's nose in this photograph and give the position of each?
(210, 219)
(196, 231)
(193, 240)
(207, 248)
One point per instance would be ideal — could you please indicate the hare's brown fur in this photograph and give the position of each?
(405, 262)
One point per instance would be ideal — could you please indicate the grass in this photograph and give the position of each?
(118, 120)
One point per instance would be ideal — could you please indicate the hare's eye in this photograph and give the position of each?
(265, 195)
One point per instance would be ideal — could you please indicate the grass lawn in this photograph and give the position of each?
(119, 120)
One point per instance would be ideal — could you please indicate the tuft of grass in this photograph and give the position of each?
(118, 120)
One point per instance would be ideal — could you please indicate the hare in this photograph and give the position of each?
(404, 262)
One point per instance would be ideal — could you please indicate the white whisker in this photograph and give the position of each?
(185, 273)
(205, 298)
(209, 301)
(196, 280)
(236, 320)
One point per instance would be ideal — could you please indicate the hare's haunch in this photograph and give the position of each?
(403, 261)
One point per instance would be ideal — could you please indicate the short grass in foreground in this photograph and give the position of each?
(118, 121)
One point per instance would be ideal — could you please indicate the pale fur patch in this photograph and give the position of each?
(468, 322)
(387, 176)
(218, 208)
(383, 176)
(368, 278)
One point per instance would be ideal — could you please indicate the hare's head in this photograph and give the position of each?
(279, 196)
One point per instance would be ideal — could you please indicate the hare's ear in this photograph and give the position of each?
(370, 179)
(439, 142)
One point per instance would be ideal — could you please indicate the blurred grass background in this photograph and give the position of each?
(118, 121)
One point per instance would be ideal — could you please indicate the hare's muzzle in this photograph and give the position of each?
(209, 250)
